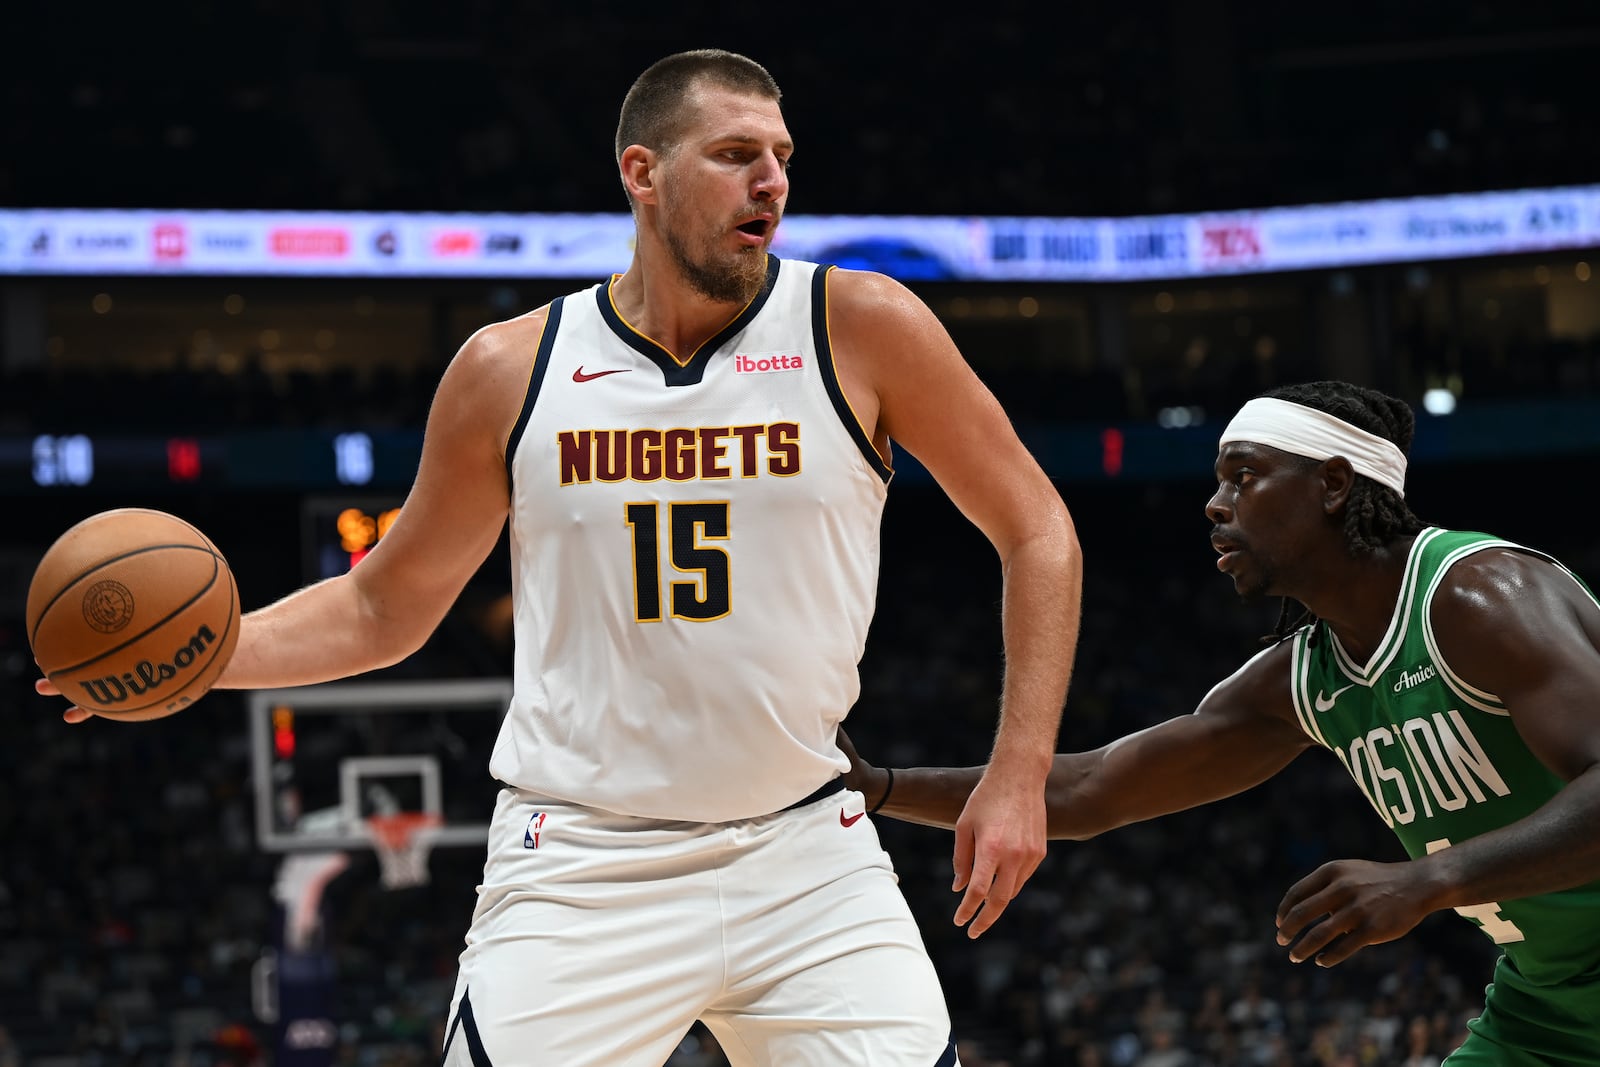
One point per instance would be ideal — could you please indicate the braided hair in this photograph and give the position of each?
(1374, 514)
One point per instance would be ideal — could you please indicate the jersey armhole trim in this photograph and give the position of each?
(1470, 695)
(541, 362)
(830, 374)
(1299, 685)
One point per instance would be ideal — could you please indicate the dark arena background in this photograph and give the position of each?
(238, 244)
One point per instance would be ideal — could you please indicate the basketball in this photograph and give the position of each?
(133, 614)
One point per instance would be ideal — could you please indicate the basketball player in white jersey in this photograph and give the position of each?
(694, 456)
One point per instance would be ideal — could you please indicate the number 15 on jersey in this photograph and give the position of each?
(690, 524)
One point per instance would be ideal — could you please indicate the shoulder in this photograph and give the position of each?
(508, 339)
(1488, 584)
(1517, 625)
(487, 380)
(871, 295)
(1505, 604)
(496, 355)
(876, 312)
(884, 329)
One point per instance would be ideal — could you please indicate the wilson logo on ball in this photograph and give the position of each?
(146, 675)
(108, 606)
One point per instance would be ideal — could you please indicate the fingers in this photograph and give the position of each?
(1322, 932)
(979, 885)
(46, 688)
(1338, 947)
(1002, 891)
(996, 879)
(1304, 903)
(1000, 842)
(1305, 917)
(965, 846)
(1326, 920)
(1331, 940)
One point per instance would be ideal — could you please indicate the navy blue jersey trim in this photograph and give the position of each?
(541, 362)
(691, 373)
(830, 373)
(468, 1026)
(826, 789)
(949, 1057)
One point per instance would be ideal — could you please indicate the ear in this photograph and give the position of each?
(1338, 478)
(638, 166)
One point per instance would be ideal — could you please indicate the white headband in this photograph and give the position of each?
(1317, 435)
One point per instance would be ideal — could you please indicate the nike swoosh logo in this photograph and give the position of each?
(1326, 703)
(851, 820)
(579, 376)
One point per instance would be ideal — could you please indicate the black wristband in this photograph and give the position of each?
(886, 791)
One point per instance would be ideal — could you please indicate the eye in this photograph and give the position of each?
(1235, 476)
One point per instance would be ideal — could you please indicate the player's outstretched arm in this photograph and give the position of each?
(385, 608)
(1239, 736)
(1516, 626)
(897, 358)
(382, 611)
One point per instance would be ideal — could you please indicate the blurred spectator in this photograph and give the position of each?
(1419, 1047)
(1162, 1050)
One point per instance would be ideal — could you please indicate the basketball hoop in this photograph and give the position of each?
(402, 841)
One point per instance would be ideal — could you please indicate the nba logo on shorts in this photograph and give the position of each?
(530, 836)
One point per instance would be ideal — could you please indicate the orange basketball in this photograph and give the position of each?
(133, 613)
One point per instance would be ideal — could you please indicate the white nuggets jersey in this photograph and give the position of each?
(694, 556)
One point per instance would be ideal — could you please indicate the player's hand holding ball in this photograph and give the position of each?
(132, 614)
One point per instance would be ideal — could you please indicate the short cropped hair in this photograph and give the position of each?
(656, 109)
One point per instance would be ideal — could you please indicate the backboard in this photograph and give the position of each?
(326, 757)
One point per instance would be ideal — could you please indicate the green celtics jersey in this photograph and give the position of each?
(1440, 760)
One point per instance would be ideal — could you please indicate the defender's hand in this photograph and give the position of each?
(1342, 907)
(862, 776)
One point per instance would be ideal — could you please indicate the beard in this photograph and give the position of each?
(1256, 583)
(735, 280)
(1254, 575)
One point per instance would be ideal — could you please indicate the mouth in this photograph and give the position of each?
(758, 229)
(1226, 549)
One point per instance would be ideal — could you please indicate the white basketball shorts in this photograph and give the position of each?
(598, 939)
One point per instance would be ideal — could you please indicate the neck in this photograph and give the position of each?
(1361, 597)
(653, 297)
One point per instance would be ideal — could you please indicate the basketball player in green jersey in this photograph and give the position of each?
(1456, 676)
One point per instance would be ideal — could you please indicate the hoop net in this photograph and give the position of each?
(402, 841)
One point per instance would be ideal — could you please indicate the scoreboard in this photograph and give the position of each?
(338, 530)
(298, 460)
(1179, 444)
